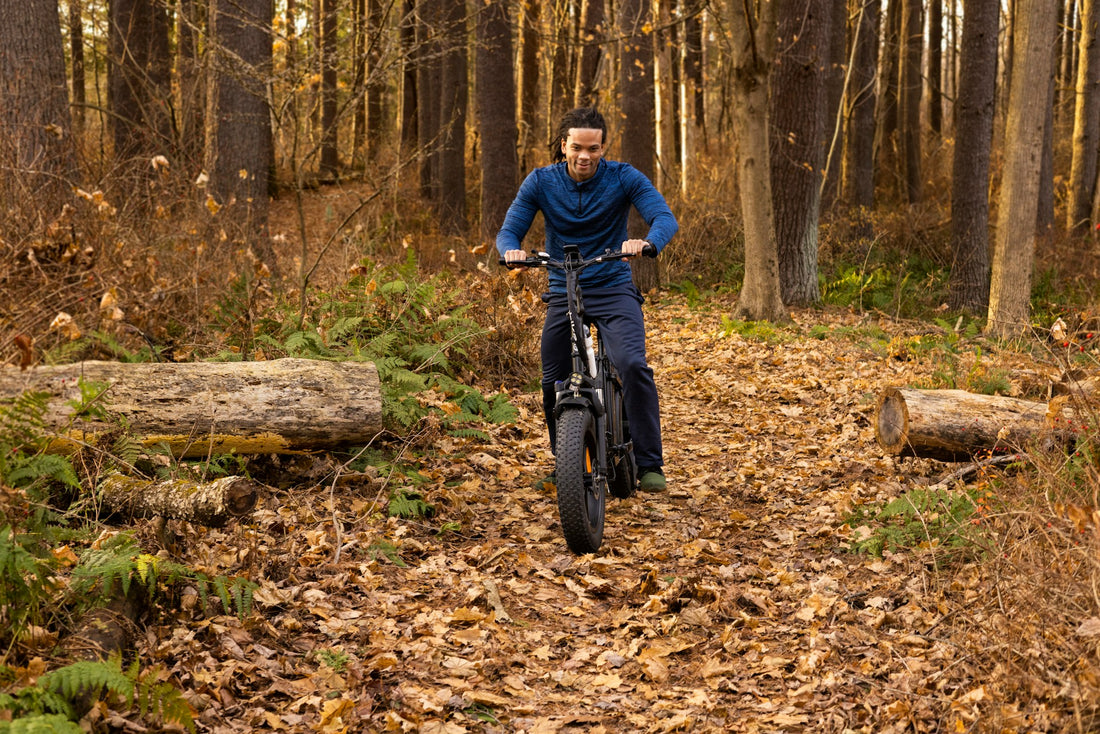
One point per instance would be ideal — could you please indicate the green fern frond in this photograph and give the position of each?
(88, 676)
(30, 469)
(41, 724)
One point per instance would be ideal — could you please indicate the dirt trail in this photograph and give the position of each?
(728, 603)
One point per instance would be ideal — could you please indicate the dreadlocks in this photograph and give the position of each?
(585, 118)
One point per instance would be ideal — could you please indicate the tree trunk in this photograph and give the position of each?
(974, 111)
(359, 81)
(76, 54)
(955, 425)
(330, 132)
(377, 27)
(1086, 122)
(496, 102)
(197, 408)
(35, 119)
(1014, 254)
(593, 33)
(935, 67)
(191, 100)
(887, 145)
(211, 504)
(754, 40)
(428, 90)
(454, 94)
(139, 83)
(561, 76)
(798, 112)
(859, 151)
(835, 72)
(638, 132)
(409, 65)
(910, 88)
(529, 86)
(239, 139)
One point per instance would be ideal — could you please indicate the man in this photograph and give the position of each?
(585, 200)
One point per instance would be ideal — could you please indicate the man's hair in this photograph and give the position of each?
(585, 118)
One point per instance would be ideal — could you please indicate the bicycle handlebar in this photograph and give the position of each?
(542, 259)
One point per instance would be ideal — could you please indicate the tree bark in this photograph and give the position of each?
(454, 95)
(211, 504)
(910, 89)
(330, 132)
(35, 119)
(593, 33)
(1014, 254)
(637, 105)
(859, 151)
(753, 38)
(496, 102)
(798, 111)
(1086, 122)
(529, 85)
(935, 68)
(239, 137)
(955, 425)
(197, 408)
(974, 111)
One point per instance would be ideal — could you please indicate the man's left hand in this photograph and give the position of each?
(633, 247)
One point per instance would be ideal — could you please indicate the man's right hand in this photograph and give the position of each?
(512, 256)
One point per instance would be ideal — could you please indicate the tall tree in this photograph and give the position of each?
(835, 74)
(753, 43)
(191, 104)
(798, 112)
(859, 152)
(529, 84)
(638, 135)
(935, 67)
(887, 145)
(593, 33)
(139, 79)
(407, 34)
(910, 88)
(496, 102)
(454, 93)
(330, 140)
(1013, 256)
(76, 55)
(428, 89)
(974, 111)
(1086, 122)
(238, 131)
(35, 120)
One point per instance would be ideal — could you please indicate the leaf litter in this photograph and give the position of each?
(728, 603)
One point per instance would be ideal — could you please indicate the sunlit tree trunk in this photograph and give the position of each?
(974, 112)
(887, 145)
(496, 102)
(798, 112)
(35, 119)
(1014, 252)
(408, 75)
(561, 78)
(753, 42)
(1086, 122)
(664, 107)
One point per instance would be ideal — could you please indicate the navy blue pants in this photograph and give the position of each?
(617, 314)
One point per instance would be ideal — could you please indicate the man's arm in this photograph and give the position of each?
(652, 207)
(521, 213)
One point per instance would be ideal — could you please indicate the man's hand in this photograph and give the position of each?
(633, 247)
(512, 256)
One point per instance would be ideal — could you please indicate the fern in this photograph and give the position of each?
(41, 724)
(25, 582)
(89, 677)
(26, 470)
(21, 420)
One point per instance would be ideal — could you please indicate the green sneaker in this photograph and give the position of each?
(550, 481)
(652, 479)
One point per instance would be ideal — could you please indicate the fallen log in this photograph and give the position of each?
(955, 425)
(202, 408)
(211, 504)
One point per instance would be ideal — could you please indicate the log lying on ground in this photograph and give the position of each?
(211, 503)
(198, 408)
(955, 425)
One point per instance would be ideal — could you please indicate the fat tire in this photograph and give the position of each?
(581, 499)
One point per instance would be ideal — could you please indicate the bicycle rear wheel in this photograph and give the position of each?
(581, 495)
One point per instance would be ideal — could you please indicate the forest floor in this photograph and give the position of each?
(730, 602)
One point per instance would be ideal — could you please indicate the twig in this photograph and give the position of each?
(971, 469)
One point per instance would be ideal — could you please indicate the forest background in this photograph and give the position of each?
(248, 179)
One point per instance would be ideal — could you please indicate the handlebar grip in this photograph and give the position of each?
(650, 250)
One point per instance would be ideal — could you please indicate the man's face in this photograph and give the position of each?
(583, 149)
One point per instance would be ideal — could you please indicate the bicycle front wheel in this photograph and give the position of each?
(581, 495)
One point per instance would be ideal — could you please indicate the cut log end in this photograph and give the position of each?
(891, 421)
